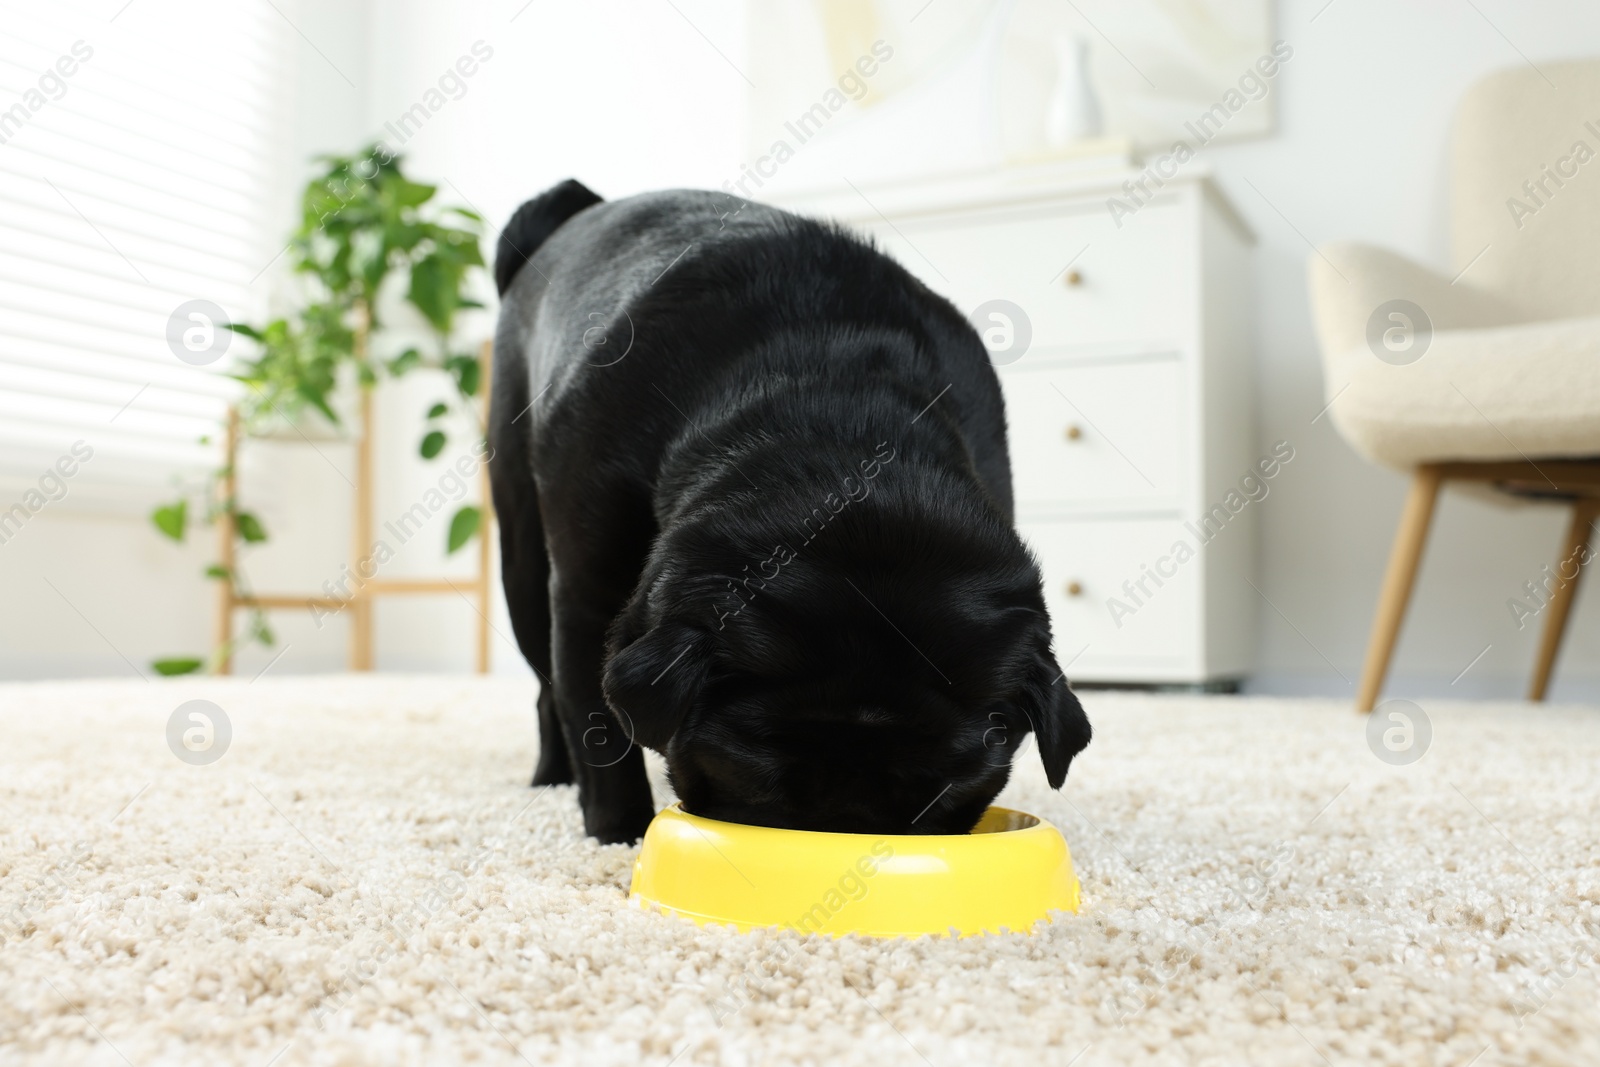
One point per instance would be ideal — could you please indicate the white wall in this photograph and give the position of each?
(631, 96)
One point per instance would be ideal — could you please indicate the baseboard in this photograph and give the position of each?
(1579, 690)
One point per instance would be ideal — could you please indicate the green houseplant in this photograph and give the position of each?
(364, 225)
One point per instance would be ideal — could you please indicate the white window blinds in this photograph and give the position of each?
(137, 154)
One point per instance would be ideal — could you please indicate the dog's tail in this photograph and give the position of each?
(533, 224)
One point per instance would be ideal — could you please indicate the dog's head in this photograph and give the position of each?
(876, 675)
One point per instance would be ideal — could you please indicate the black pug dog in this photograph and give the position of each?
(755, 513)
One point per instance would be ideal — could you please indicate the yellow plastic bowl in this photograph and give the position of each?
(1011, 871)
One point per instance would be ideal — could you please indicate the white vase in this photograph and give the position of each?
(1074, 113)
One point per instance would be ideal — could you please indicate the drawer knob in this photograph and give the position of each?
(1074, 588)
(1074, 277)
(1073, 433)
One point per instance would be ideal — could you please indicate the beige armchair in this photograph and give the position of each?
(1489, 375)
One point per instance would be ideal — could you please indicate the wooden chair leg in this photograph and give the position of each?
(1409, 542)
(1573, 551)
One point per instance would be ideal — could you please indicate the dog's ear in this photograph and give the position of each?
(1058, 721)
(652, 681)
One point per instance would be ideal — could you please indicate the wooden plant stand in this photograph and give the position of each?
(476, 588)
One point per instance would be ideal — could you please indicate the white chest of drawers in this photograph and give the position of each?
(1130, 409)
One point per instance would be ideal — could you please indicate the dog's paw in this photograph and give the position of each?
(617, 827)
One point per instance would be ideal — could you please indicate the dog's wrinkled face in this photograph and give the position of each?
(857, 750)
(887, 699)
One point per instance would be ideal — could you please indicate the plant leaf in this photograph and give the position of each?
(217, 570)
(435, 288)
(317, 398)
(410, 194)
(469, 378)
(463, 524)
(171, 519)
(437, 410)
(432, 444)
(177, 665)
(466, 372)
(249, 527)
(404, 362)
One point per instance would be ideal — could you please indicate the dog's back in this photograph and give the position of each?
(635, 306)
(574, 272)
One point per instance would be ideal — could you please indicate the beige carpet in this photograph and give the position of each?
(365, 878)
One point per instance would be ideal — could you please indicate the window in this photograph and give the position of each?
(137, 167)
